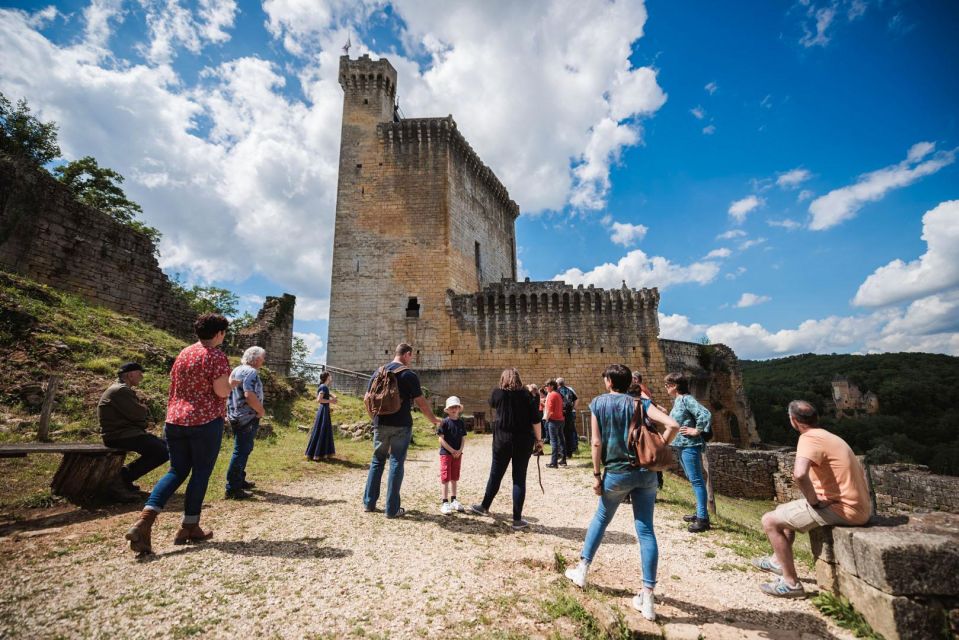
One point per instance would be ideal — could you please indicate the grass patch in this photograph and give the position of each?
(559, 562)
(730, 566)
(842, 612)
(563, 605)
(738, 517)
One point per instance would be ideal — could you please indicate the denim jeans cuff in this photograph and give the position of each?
(191, 519)
(152, 508)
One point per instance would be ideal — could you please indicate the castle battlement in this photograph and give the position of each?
(552, 297)
(366, 74)
(420, 134)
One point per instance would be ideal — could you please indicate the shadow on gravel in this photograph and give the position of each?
(349, 464)
(301, 548)
(77, 515)
(577, 534)
(300, 501)
(747, 618)
(461, 523)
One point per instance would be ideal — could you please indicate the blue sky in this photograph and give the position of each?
(784, 171)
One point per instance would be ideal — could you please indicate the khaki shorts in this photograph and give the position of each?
(800, 517)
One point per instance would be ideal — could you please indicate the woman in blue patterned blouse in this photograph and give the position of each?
(694, 419)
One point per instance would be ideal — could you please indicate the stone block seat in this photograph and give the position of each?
(88, 473)
(901, 572)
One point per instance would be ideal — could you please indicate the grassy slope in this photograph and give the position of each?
(44, 331)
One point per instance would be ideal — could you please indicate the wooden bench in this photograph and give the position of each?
(88, 472)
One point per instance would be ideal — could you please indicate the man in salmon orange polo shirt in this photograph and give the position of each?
(834, 491)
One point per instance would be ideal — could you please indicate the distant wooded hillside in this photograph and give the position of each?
(918, 418)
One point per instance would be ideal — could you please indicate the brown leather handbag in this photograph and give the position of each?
(652, 452)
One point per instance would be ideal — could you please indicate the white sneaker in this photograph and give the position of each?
(446, 508)
(577, 574)
(456, 506)
(645, 603)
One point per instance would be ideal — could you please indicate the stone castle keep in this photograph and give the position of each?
(425, 252)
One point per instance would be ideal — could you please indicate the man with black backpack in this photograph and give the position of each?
(389, 400)
(569, 417)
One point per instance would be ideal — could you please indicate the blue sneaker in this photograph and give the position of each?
(779, 589)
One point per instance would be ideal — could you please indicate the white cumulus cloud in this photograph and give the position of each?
(786, 223)
(711, 88)
(739, 209)
(842, 204)
(709, 129)
(935, 271)
(751, 300)
(626, 234)
(640, 270)
(698, 112)
(722, 252)
(240, 177)
(315, 345)
(793, 178)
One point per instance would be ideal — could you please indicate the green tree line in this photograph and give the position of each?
(918, 418)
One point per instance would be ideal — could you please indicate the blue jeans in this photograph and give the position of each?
(193, 452)
(392, 443)
(244, 436)
(692, 460)
(557, 441)
(640, 485)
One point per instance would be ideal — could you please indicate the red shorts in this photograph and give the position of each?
(450, 468)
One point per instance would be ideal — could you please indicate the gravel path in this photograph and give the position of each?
(304, 561)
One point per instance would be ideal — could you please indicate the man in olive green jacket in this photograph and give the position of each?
(123, 425)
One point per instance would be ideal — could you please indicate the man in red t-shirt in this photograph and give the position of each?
(199, 386)
(555, 422)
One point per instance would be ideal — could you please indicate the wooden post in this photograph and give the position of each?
(708, 479)
(43, 432)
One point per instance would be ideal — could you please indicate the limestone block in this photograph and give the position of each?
(827, 575)
(842, 548)
(895, 617)
(907, 562)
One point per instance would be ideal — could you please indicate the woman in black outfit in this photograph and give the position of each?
(516, 435)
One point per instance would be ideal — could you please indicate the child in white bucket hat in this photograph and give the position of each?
(452, 435)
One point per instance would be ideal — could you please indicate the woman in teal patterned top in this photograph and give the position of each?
(612, 413)
(693, 419)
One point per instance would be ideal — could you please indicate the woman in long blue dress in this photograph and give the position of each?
(321, 438)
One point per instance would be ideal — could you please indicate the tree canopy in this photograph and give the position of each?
(23, 134)
(918, 418)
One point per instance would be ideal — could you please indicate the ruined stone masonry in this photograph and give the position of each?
(46, 235)
(424, 252)
(272, 330)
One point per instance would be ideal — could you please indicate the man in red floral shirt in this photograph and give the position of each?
(199, 386)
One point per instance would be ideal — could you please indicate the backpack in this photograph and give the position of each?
(384, 397)
(568, 398)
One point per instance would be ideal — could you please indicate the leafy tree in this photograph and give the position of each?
(24, 135)
(208, 299)
(99, 187)
(299, 356)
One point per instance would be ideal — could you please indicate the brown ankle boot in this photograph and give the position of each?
(139, 533)
(191, 533)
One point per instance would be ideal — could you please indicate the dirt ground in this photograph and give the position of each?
(303, 560)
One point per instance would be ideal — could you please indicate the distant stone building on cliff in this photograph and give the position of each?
(425, 252)
(847, 398)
